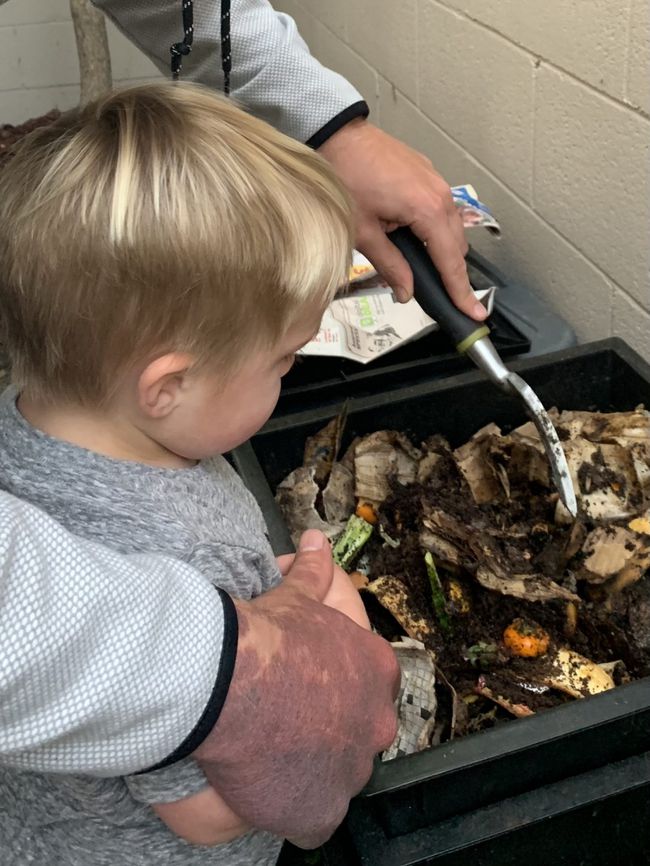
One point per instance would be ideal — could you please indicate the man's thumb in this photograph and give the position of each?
(312, 539)
(313, 568)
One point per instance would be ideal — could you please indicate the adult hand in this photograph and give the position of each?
(392, 185)
(310, 704)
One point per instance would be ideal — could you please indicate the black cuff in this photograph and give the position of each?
(358, 109)
(218, 697)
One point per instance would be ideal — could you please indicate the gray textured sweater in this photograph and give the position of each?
(203, 516)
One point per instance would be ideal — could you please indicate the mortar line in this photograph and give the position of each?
(359, 57)
(36, 24)
(417, 51)
(343, 39)
(533, 148)
(628, 44)
(638, 310)
(43, 88)
(555, 66)
(38, 88)
(628, 297)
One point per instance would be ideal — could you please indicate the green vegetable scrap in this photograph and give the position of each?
(357, 531)
(482, 655)
(437, 594)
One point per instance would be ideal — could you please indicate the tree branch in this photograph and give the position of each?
(92, 47)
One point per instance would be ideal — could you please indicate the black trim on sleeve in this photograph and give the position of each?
(357, 109)
(220, 691)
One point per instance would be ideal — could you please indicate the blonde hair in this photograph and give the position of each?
(160, 218)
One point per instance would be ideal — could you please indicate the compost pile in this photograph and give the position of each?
(471, 555)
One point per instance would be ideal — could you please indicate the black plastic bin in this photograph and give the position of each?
(552, 783)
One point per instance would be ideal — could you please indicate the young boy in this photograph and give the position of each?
(164, 255)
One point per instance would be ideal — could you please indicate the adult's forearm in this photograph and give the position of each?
(273, 74)
(109, 664)
(114, 664)
(310, 705)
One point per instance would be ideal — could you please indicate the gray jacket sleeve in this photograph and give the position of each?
(109, 664)
(273, 74)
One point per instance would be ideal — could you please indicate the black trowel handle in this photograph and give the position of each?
(431, 294)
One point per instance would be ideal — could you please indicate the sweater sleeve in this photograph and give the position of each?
(110, 664)
(273, 74)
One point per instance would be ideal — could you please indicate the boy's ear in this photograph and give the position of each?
(162, 384)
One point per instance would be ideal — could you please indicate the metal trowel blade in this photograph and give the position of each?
(550, 440)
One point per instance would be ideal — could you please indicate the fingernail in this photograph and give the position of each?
(311, 539)
(479, 310)
(401, 294)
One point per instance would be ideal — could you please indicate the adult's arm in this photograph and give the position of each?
(108, 662)
(311, 703)
(114, 664)
(273, 74)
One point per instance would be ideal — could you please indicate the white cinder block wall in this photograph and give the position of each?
(40, 69)
(544, 107)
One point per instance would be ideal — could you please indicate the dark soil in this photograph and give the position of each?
(604, 632)
(595, 475)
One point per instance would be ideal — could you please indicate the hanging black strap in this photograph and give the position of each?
(181, 49)
(226, 54)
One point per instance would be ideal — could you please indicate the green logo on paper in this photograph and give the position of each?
(365, 313)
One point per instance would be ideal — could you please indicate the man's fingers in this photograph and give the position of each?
(392, 184)
(390, 263)
(457, 227)
(447, 256)
(312, 569)
(447, 247)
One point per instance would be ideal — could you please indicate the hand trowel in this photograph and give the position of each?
(472, 338)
